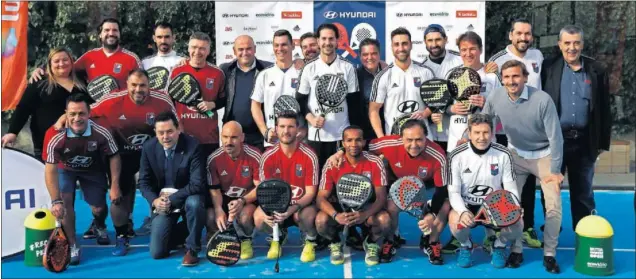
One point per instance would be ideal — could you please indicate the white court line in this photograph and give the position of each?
(347, 251)
(348, 272)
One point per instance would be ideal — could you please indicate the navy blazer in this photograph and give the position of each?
(188, 170)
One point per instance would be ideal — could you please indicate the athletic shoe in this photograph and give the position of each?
(247, 252)
(102, 236)
(76, 253)
(121, 246)
(531, 239)
(452, 246)
(514, 260)
(309, 252)
(145, 227)
(498, 257)
(398, 241)
(275, 246)
(464, 257)
(131, 229)
(388, 251)
(90, 232)
(434, 252)
(371, 250)
(424, 240)
(336, 257)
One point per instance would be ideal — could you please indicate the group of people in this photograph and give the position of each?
(523, 127)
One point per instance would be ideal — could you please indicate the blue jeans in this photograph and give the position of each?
(579, 164)
(164, 227)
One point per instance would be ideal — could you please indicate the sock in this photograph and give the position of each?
(311, 239)
(121, 230)
(468, 244)
(499, 244)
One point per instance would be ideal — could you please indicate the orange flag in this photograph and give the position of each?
(14, 51)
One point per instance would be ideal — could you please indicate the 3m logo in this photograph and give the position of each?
(228, 28)
(466, 13)
(229, 56)
(291, 14)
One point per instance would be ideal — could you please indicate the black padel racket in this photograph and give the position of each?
(286, 103)
(397, 124)
(102, 86)
(409, 195)
(354, 191)
(158, 78)
(435, 95)
(185, 89)
(499, 209)
(224, 248)
(274, 195)
(331, 91)
(57, 252)
(462, 83)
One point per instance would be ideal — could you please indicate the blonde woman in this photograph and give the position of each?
(45, 100)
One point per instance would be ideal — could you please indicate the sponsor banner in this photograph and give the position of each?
(355, 22)
(23, 191)
(455, 17)
(260, 20)
(14, 52)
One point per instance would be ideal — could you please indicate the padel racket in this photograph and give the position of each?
(358, 34)
(397, 124)
(354, 191)
(331, 91)
(286, 103)
(224, 248)
(409, 195)
(158, 78)
(343, 39)
(185, 89)
(499, 209)
(101, 86)
(435, 95)
(274, 195)
(57, 252)
(462, 83)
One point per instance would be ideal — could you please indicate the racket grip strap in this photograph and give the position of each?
(275, 233)
(440, 127)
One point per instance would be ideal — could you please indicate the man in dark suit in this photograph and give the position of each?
(173, 160)
(580, 89)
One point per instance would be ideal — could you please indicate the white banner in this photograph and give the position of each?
(455, 17)
(260, 20)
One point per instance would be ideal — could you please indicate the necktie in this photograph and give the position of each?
(168, 167)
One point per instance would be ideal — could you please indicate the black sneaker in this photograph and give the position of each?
(424, 240)
(388, 251)
(551, 265)
(131, 229)
(514, 260)
(398, 241)
(434, 252)
(90, 233)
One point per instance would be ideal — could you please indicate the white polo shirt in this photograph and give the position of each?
(533, 60)
(169, 61)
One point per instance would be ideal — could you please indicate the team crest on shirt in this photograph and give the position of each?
(92, 146)
(494, 169)
(422, 172)
(150, 118)
(535, 67)
(245, 171)
(367, 174)
(417, 82)
(483, 88)
(294, 83)
(299, 170)
(117, 68)
(209, 83)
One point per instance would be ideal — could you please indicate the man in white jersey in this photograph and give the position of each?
(273, 82)
(166, 56)
(521, 39)
(397, 87)
(478, 168)
(324, 133)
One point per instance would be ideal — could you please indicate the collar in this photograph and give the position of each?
(111, 54)
(565, 64)
(477, 151)
(87, 133)
(169, 54)
(173, 148)
(251, 67)
(524, 93)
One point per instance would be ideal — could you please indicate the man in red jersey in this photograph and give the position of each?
(79, 153)
(410, 153)
(110, 59)
(375, 221)
(211, 80)
(297, 164)
(232, 175)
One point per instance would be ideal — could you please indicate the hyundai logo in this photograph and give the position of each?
(331, 14)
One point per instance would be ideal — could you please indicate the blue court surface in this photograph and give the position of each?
(97, 262)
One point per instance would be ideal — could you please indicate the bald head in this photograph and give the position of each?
(232, 127)
(232, 138)
(244, 50)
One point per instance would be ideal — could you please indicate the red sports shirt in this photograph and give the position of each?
(369, 165)
(299, 171)
(80, 153)
(132, 124)
(211, 80)
(430, 164)
(118, 65)
(236, 177)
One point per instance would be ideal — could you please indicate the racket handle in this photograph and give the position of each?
(439, 127)
(209, 113)
(276, 233)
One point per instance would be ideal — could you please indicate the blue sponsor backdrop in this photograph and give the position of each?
(355, 21)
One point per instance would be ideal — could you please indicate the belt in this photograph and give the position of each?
(573, 134)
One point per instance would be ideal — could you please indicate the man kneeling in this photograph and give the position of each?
(374, 221)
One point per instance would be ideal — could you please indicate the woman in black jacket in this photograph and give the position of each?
(44, 101)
